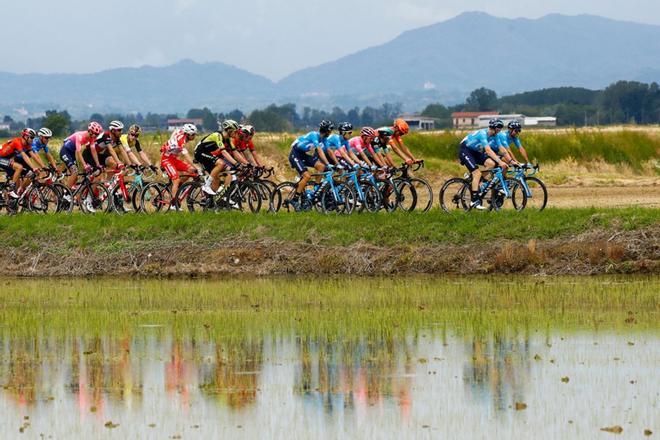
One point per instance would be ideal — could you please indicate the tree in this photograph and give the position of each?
(209, 119)
(440, 113)
(58, 122)
(482, 99)
(7, 119)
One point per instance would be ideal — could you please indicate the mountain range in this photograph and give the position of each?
(441, 62)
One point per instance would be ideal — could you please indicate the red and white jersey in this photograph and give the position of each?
(176, 144)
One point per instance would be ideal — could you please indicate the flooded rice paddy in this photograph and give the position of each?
(334, 358)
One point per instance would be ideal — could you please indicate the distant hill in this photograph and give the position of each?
(173, 88)
(442, 62)
(552, 96)
(506, 55)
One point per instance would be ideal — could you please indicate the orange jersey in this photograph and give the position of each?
(13, 146)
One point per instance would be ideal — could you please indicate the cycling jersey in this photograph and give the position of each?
(242, 145)
(37, 146)
(479, 140)
(505, 139)
(213, 144)
(128, 144)
(309, 143)
(13, 146)
(176, 144)
(104, 141)
(78, 141)
(379, 145)
(357, 145)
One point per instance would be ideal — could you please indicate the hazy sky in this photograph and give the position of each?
(268, 37)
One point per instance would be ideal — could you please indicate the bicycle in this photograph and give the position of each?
(423, 190)
(455, 193)
(366, 191)
(126, 195)
(240, 193)
(89, 196)
(157, 196)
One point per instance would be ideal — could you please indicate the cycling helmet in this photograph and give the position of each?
(385, 132)
(345, 127)
(44, 132)
(95, 128)
(401, 126)
(515, 125)
(116, 125)
(495, 123)
(135, 129)
(190, 129)
(246, 130)
(326, 127)
(229, 125)
(368, 132)
(28, 132)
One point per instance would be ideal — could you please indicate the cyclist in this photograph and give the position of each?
(245, 145)
(171, 150)
(340, 144)
(105, 145)
(358, 145)
(131, 140)
(213, 153)
(14, 158)
(512, 136)
(400, 129)
(480, 148)
(72, 152)
(40, 143)
(307, 152)
(380, 148)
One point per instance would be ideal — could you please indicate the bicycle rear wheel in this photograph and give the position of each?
(424, 194)
(41, 199)
(282, 197)
(498, 200)
(372, 199)
(406, 196)
(96, 194)
(455, 195)
(155, 197)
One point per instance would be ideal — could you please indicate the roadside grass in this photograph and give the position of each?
(332, 308)
(113, 232)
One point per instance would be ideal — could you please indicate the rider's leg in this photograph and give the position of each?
(215, 174)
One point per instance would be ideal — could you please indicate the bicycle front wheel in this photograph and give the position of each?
(536, 192)
(406, 196)
(455, 195)
(96, 196)
(155, 198)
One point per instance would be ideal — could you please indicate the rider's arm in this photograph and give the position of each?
(388, 160)
(95, 154)
(187, 158)
(26, 158)
(489, 151)
(79, 158)
(126, 158)
(240, 157)
(365, 158)
(321, 153)
(253, 157)
(524, 153)
(37, 159)
(228, 157)
(113, 153)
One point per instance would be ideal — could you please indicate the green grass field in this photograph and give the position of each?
(435, 227)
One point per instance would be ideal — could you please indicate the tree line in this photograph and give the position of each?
(623, 102)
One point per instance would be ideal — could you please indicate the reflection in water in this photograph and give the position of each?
(362, 386)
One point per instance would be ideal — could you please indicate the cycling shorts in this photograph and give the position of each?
(471, 159)
(89, 159)
(173, 165)
(301, 161)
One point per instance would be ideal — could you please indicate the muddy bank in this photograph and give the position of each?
(599, 252)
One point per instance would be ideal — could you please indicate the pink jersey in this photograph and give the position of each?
(357, 144)
(81, 140)
(175, 145)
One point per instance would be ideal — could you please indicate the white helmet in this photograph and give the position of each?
(44, 132)
(190, 129)
(116, 125)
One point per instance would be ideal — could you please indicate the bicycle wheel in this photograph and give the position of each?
(388, 196)
(424, 194)
(250, 196)
(155, 197)
(406, 196)
(372, 199)
(455, 195)
(341, 200)
(197, 200)
(121, 203)
(498, 201)
(62, 191)
(264, 191)
(537, 194)
(40, 199)
(97, 196)
(282, 197)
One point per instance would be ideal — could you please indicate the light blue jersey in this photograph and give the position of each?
(37, 146)
(479, 140)
(335, 142)
(308, 143)
(505, 139)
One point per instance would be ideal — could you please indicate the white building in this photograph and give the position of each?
(526, 121)
(418, 122)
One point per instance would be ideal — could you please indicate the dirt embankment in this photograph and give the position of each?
(591, 253)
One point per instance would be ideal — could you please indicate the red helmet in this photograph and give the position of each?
(28, 132)
(368, 132)
(95, 128)
(401, 126)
